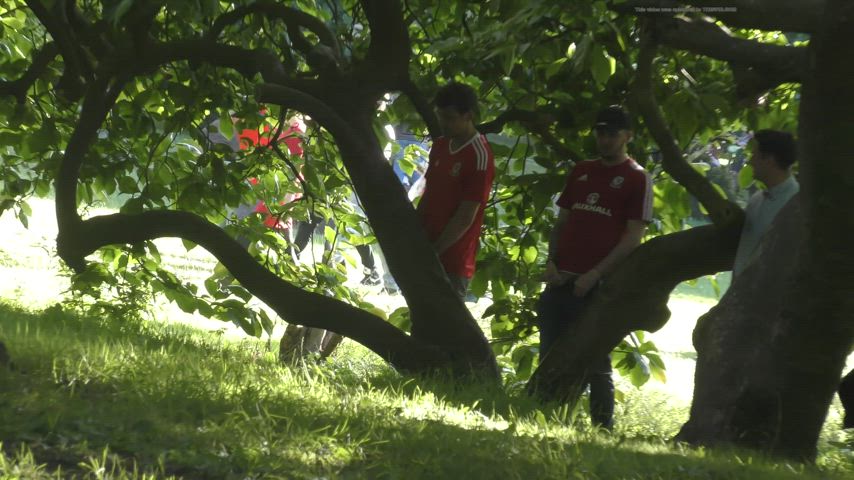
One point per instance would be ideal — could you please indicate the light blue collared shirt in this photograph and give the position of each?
(760, 212)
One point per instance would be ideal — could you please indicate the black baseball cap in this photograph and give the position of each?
(612, 118)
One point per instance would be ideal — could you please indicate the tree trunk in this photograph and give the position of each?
(739, 374)
(439, 317)
(770, 356)
(634, 297)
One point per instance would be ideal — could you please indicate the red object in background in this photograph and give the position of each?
(250, 137)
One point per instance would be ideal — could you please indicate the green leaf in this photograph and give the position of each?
(226, 128)
(401, 319)
(499, 289)
(128, 185)
(529, 255)
(185, 302)
(602, 65)
(480, 281)
(266, 322)
(240, 292)
(640, 373)
(24, 220)
(44, 138)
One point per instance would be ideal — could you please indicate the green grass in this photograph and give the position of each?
(111, 398)
(102, 398)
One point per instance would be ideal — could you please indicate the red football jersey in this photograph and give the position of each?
(454, 176)
(291, 136)
(601, 200)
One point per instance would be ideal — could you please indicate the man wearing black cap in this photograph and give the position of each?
(604, 209)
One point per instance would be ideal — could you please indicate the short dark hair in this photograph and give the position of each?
(779, 144)
(457, 95)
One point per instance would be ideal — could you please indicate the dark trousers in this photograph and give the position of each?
(558, 308)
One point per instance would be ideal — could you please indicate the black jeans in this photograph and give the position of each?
(557, 308)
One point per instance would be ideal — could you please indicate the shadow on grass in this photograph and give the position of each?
(184, 407)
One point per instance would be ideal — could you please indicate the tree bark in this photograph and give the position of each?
(789, 322)
(738, 379)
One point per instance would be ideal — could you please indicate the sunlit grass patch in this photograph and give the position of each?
(165, 399)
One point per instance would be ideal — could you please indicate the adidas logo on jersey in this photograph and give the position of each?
(582, 178)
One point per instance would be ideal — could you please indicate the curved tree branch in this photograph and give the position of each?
(721, 211)
(324, 58)
(527, 117)
(100, 98)
(294, 20)
(386, 66)
(75, 67)
(290, 302)
(390, 46)
(784, 15)
(18, 88)
(634, 297)
(787, 63)
(246, 61)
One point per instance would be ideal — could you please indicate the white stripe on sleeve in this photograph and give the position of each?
(647, 198)
(482, 154)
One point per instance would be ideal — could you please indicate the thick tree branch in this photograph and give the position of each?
(782, 64)
(75, 67)
(721, 211)
(324, 58)
(784, 15)
(293, 18)
(18, 88)
(247, 62)
(389, 38)
(527, 117)
(100, 97)
(633, 298)
(290, 302)
(387, 64)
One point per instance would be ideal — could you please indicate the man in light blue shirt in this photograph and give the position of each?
(773, 153)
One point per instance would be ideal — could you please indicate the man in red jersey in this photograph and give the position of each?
(458, 181)
(604, 209)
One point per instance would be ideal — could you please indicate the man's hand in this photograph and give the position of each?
(551, 276)
(586, 282)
